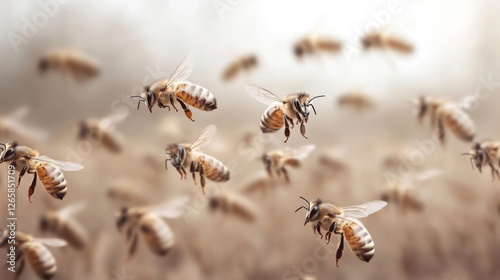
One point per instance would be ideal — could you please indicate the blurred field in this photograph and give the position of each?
(455, 236)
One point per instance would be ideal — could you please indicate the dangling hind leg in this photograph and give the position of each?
(188, 112)
(303, 130)
(33, 185)
(340, 249)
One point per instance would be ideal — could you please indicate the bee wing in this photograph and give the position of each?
(263, 95)
(63, 165)
(183, 70)
(204, 138)
(13, 120)
(71, 210)
(111, 120)
(54, 242)
(172, 208)
(302, 152)
(363, 210)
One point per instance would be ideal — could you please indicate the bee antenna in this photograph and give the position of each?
(301, 208)
(138, 103)
(314, 109)
(310, 100)
(307, 208)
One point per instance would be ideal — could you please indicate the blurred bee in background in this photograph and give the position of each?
(80, 65)
(276, 160)
(127, 192)
(33, 251)
(183, 156)
(484, 153)
(356, 100)
(314, 45)
(402, 192)
(385, 41)
(259, 182)
(27, 159)
(343, 221)
(175, 88)
(149, 222)
(446, 114)
(102, 131)
(242, 64)
(234, 204)
(282, 111)
(11, 126)
(62, 224)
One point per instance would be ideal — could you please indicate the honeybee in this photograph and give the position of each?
(175, 88)
(27, 159)
(102, 131)
(63, 225)
(356, 100)
(234, 204)
(127, 191)
(276, 160)
(149, 221)
(446, 114)
(73, 61)
(33, 250)
(343, 221)
(484, 153)
(313, 45)
(243, 63)
(282, 111)
(11, 126)
(183, 156)
(385, 41)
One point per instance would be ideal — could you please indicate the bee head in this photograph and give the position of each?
(213, 203)
(147, 97)
(298, 50)
(422, 107)
(301, 105)
(312, 209)
(8, 151)
(366, 42)
(177, 155)
(43, 65)
(84, 130)
(477, 156)
(44, 223)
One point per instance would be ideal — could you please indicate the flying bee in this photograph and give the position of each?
(183, 156)
(149, 222)
(444, 114)
(484, 153)
(314, 45)
(63, 225)
(276, 160)
(241, 64)
(234, 204)
(80, 65)
(102, 131)
(343, 221)
(27, 159)
(175, 88)
(33, 251)
(383, 40)
(12, 126)
(127, 192)
(356, 100)
(282, 111)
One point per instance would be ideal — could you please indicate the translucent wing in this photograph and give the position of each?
(183, 70)
(171, 209)
(14, 122)
(263, 95)
(204, 138)
(363, 210)
(54, 242)
(63, 165)
(110, 121)
(302, 152)
(71, 210)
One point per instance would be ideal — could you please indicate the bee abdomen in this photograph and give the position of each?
(41, 260)
(74, 234)
(399, 45)
(214, 169)
(360, 241)
(196, 96)
(53, 180)
(157, 235)
(459, 122)
(272, 119)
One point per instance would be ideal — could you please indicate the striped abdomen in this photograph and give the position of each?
(40, 259)
(359, 240)
(196, 96)
(272, 119)
(53, 179)
(214, 169)
(157, 234)
(458, 121)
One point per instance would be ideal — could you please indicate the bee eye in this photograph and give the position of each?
(8, 153)
(314, 211)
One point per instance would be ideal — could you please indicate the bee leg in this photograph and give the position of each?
(291, 122)
(202, 177)
(494, 171)
(285, 173)
(161, 105)
(188, 112)
(20, 269)
(303, 129)
(171, 97)
(328, 235)
(133, 246)
(32, 187)
(21, 175)
(193, 170)
(317, 228)
(287, 128)
(441, 132)
(340, 249)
